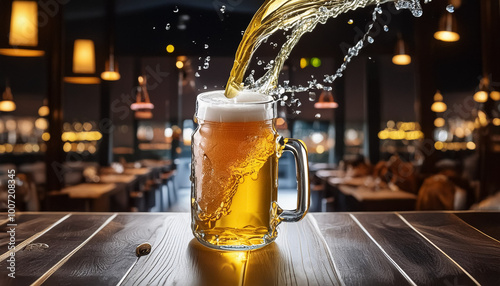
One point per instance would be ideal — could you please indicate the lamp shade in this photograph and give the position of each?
(7, 103)
(447, 31)
(84, 57)
(438, 105)
(24, 24)
(401, 56)
(23, 30)
(111, 70)
(326, 101)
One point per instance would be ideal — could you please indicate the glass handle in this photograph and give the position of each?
(299, 151)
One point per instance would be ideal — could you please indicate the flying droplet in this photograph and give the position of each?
(370, 40)
(450, 8)
(259, 62)
(350, 22)
(154, 28)
(223, 9)
(197, 74)
(167, 27)
(206, 46)
(378, 10)
(204, 87)
(386, 29)
(317, 116)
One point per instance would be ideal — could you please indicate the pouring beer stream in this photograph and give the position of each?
(298, 17)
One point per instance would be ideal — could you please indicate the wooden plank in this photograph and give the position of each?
(486, 222)
(298, 257)
(61, 240)
(477, 254)
(106, 258)
(168, 263)
(358, 259)
(423, 263)
(27, 225)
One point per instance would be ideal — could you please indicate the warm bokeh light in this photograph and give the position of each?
(45, 136)
(495, 95)
(170, 49)
(471, 145)
(179, 64)
(496, 121)
(439, 122)
(401, 60)
(438, 145)
(41, 123)
(7, 106)
(110, 75)
(82, 79)
(438, 106)
(303, 63)
(43, 111)
(446, 36)
(481, 96)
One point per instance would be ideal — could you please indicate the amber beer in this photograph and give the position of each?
(235, 153)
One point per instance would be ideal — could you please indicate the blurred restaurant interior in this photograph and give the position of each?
(98, 100)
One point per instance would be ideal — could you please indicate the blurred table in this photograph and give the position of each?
(353, 195)
(407, 248)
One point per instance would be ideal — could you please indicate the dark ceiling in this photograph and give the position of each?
(139, 29)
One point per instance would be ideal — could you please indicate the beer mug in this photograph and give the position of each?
(234, 172)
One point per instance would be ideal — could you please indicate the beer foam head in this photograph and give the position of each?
(246, 107)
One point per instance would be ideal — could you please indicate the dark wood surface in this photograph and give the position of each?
(362, 248)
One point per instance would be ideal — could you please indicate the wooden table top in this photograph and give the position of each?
(88, 190)
(117, 178)
(376, 248)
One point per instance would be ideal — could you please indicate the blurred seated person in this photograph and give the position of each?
(357, 168)
(446, 190)
(395, 172)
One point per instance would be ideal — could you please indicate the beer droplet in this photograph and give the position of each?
(206, 46)
(176, 9)
(386, 29)
(370, 40)
(167, 27)
(197, 74)
(312, 96)
(317, 116)
(223, 9)
(350, 22)
(450, 8)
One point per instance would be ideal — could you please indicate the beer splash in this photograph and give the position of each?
(298, 17)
